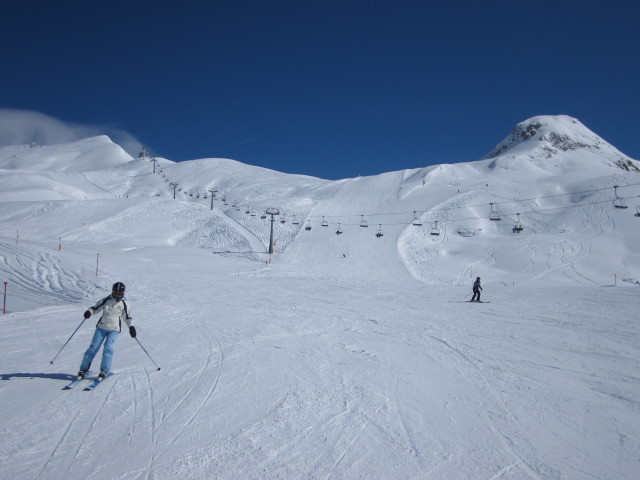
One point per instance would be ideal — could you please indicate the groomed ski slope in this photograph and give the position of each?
(341, 356)
(266, 376)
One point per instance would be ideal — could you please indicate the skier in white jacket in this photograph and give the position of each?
(114, 310)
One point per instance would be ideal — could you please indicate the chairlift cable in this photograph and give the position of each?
(520, 200)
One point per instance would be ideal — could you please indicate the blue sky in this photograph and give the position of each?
(332, 89)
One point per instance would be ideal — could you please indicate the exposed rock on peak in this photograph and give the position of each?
(546, 137)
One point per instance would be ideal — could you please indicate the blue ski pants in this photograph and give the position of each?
(100, 335)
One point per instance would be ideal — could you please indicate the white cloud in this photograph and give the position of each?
(21, 127)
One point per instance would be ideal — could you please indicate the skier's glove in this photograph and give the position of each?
(132, 332)
(87, 314)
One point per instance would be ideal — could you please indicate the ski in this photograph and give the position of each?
(95, 383)
(75, 382)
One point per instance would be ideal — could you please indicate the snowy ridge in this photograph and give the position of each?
(545, 140)
(341, 356)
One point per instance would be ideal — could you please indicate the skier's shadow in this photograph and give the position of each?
(51, 376)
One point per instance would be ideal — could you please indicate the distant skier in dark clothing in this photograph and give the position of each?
(477, 288)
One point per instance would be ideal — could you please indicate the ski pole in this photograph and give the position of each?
(145, 351)
(65, 343)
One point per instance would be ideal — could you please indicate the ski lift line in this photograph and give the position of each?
(550, 196)
(521, 200)
(441, 222)
(540, 210)
(414, 212)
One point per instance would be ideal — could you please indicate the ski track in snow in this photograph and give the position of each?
(361, 373)
(488, 402)
(65, 444)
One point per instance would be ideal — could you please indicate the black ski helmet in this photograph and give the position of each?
(118, 287)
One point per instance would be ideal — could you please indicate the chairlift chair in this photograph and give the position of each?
(416, 221)
(324, 222)
(308, 227)
(435, 230)
(517, 228)
(618, 202)
(379, 233)
(637, 211)
(494, 215)
(295, 221)
(338, 231)
(363, 222)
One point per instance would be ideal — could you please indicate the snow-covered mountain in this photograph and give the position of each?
(559, 143)
(551, 175)
(348, 353)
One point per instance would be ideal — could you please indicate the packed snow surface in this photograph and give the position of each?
(341, 356)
